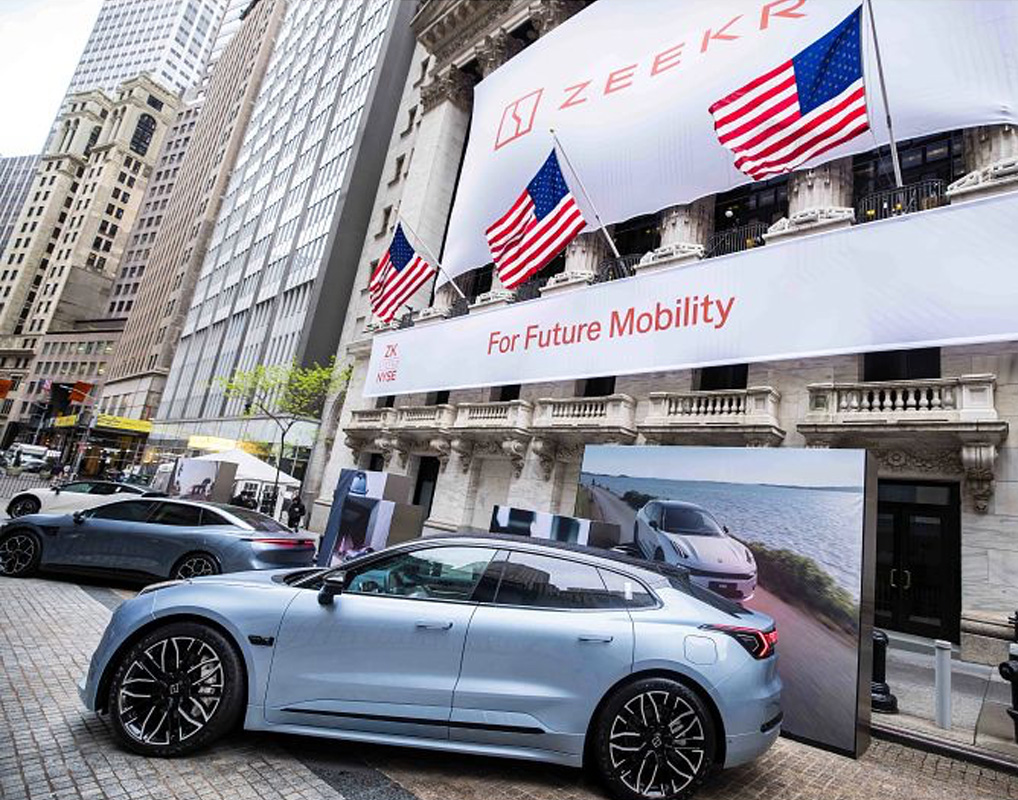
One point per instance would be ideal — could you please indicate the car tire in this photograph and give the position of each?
(150, 717)
(20, 553)
(645, 715)
(23, 505)
(195, 565)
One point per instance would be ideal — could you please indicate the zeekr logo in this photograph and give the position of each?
(518, 118)
(389, 367)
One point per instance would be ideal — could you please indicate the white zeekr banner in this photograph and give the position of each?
(627, 84)
(940, 277)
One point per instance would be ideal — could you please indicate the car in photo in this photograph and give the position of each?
(688, 535)
(72, 496)
(491, 645)
(148, 537)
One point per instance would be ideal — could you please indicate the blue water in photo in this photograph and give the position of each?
(824, 524)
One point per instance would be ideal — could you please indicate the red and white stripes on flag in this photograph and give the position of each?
(535, 229)
(399, 274)
(811, 103)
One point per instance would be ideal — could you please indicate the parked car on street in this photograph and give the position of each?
(73, 496)
(146, 537)
(494, 645)
(688, 535)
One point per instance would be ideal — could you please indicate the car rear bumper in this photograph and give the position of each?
(727, 586)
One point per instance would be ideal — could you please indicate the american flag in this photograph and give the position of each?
(399, 274)
(542, 221)
(799, 109)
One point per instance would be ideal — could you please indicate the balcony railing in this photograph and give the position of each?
(371, 418)
(735, 416)
(969, 398)
(721, 405)
(735, 240)
(613, 269)
(426, 417)
(502, 415)
(613, 414)
(919, 196)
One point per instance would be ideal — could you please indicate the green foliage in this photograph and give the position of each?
(799, 580)
(584, 503)
(286, 392)
(636, 499)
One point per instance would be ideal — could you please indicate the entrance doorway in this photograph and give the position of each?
(918, 580)
(427, 480)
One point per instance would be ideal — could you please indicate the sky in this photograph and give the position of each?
(40, 43)
(774, 465)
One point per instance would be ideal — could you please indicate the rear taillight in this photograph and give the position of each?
(759, 644)
(284, 542)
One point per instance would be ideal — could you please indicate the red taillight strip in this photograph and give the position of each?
(282, 542)
(766, 641)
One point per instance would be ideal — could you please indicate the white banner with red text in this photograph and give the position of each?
(939, 277)
(627, 85)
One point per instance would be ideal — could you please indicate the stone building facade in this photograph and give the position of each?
(941, 422)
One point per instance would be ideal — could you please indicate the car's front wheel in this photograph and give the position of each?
(23, 505)
(20, 552)
(179, 688)
(654, 738)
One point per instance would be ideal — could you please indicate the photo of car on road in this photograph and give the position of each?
(778, 530)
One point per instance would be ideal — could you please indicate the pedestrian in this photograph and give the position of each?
(295, 512)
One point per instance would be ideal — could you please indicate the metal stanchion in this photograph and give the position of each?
(1009, 672)
(942, 679)
(883, 702)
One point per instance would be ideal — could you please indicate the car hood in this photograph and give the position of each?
(257, 577)
(713, 551)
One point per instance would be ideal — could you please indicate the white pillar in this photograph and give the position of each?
(819, 199)
(583, 256)
(991, 155)
(685, 232)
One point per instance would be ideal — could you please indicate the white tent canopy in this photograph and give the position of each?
(250, 468)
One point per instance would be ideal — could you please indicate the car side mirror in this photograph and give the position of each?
(56, 490)
(653, 524)
(332, 585)
(725, 528)
(79, 517)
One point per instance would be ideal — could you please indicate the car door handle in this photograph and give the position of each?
(596, 638)
(433, 626)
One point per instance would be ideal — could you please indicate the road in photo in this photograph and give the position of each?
(817, 657)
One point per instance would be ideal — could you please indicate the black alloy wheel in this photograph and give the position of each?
(20, 552)
(24, 505)
(655, 738)
(176, 690)
(195, 565)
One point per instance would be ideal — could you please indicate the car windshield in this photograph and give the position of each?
(689, 522)
(260, 522)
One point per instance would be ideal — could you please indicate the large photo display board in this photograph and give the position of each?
(788, 532)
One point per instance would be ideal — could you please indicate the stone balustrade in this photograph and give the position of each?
(438, 417)
(611, 417)
(969, 398)
(737, 416)
(502, 415)
(371, 419)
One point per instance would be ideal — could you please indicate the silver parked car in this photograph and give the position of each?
(495, 645)
(72, 496)
(150, 537)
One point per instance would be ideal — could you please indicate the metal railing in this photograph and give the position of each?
(613, 269)
(919, 196)
(735, 240)
(11, 485)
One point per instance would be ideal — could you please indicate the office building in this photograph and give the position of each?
(15, 179)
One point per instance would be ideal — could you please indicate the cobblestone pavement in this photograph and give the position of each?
(50, 747)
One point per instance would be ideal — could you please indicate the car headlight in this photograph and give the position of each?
(749, 555)
(156, 586)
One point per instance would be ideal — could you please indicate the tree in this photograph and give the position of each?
(286, 394)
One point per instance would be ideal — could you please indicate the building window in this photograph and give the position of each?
(898, 365)
(719, 379)
(503, 394)
(596, 387)
(142, 137)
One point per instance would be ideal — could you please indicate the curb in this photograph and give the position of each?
(943, 747)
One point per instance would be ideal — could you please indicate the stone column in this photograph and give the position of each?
(685, 232)
(819, 199)
(991, 155)
(583, 256)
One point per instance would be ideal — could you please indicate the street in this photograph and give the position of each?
(52, 749)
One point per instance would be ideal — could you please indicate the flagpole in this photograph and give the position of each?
(883, 93)
(583, 189)
(431, 255)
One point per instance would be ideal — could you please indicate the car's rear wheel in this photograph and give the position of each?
(23, 505)
(655, 738)
(195, 565)
(179, 688)
(20, 551)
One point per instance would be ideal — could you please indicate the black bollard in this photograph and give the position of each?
(880, 693)
(1009, 672)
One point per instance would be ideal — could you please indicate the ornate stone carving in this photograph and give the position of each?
(818, 199)
(390, 446)
(549, 14)
(464, 449)
(355, 446)
(455, 26)
(495, 49)
(450, 84)
(690, 224)
(546, 451)
(943, 462)
(443, 448)
(978, 461)
(516, 450)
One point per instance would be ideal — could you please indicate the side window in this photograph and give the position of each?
(625, 592)
(432, 573)
(529, 579)
(128, 490)
(212, 518)
(129, 511)
(103, 488)
(79, 487)
(176, 514)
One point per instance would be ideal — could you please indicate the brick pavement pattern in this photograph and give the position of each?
(52, 749)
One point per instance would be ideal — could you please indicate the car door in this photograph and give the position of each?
(385, 655)
(106, 537)
(67, 498)
(170, 531)
(540, 655)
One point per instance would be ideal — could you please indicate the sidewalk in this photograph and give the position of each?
(979, 699)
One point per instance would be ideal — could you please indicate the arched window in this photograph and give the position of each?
(143, 131)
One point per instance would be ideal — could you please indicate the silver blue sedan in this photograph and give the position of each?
(498, 646)
(144, 538)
